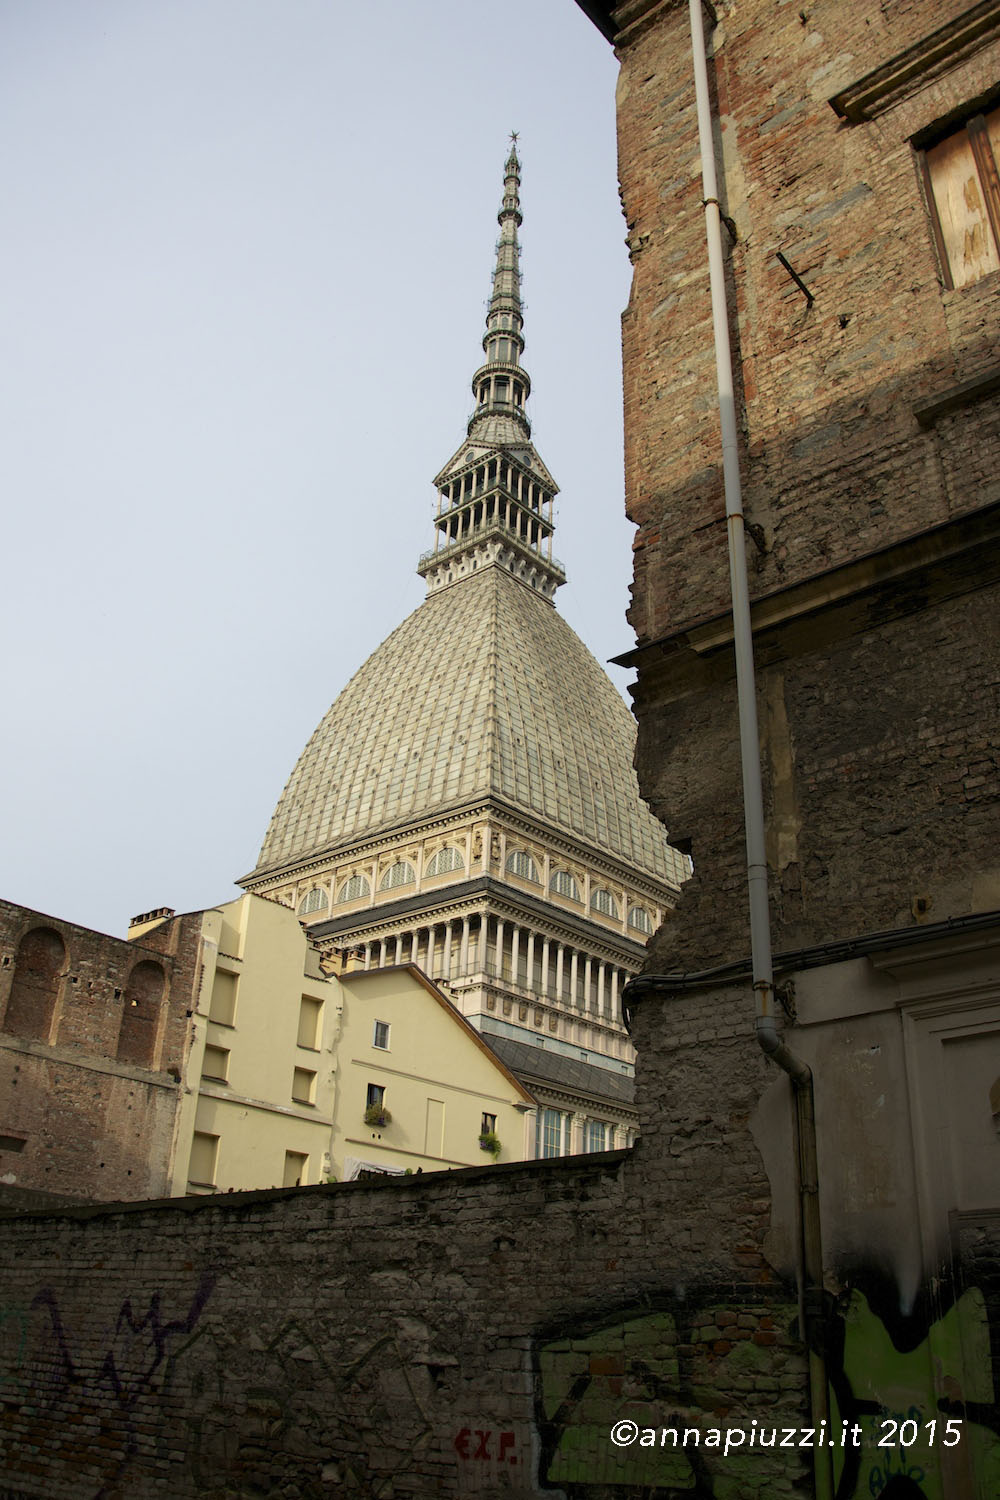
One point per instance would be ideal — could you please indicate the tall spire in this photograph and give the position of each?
(501, 385)
(495, 496)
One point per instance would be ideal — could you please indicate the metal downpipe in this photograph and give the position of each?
(810, 1249)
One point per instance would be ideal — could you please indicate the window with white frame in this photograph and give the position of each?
(639, 918)
(595, 1136)
(550, 1133)
(380, 1037)
(374, 1095)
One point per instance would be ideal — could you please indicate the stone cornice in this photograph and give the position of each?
(965, 394)
(961, 554)
(499, 814)
(90, 1062)
(505, 902)
(911, 69)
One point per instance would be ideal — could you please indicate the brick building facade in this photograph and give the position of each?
(94, 1041)
(870, 435)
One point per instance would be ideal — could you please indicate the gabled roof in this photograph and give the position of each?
(358, 978)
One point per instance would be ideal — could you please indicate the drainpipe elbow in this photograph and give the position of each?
(774, 1048)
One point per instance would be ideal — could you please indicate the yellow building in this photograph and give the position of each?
(286, 1058)
(417, 1086)
(258, 1110)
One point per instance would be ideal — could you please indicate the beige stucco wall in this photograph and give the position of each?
(257, 961)
(248, 1121)
(438, 1075)
(904, 1044)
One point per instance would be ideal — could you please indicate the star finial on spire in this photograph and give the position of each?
(514, 136)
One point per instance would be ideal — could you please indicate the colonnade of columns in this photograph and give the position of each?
(517, 522)
(541, 967)
(521, 504)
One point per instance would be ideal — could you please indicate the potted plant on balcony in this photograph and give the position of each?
(377, 1115)
(490, 1141)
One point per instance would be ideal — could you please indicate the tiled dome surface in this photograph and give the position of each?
(483, 689)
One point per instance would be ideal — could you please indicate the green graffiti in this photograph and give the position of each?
(670, 1375)
(921, 1419)
(915, 1391)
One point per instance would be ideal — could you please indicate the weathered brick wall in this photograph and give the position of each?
(89, 1081)
(882, 788)
(835, 462)
(873, 784)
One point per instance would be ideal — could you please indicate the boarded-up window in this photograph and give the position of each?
(37, 968)
(963, 188)
(434, 1128)
(310, 1013)
(204, 1155)
(303, 1086)
(296, 1163)
(222, 1006)
(216, 1063)
(141, 1015)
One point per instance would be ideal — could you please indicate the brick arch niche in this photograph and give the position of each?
(141, 1014)
(38, 970)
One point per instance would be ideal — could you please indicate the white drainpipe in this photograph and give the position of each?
(753, 800)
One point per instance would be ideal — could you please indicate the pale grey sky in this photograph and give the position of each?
(247, 251)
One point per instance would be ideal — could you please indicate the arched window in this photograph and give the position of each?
(445, 860)
(521, 863)
(141, 1014)
(639, 918)
(603, 902)
(563, 884)
(314, 900)
(39, 963)
(354, 889)
(401, 873)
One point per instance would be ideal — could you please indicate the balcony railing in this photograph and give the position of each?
(533, 549)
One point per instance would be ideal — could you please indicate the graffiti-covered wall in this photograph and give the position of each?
(603, 1327)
